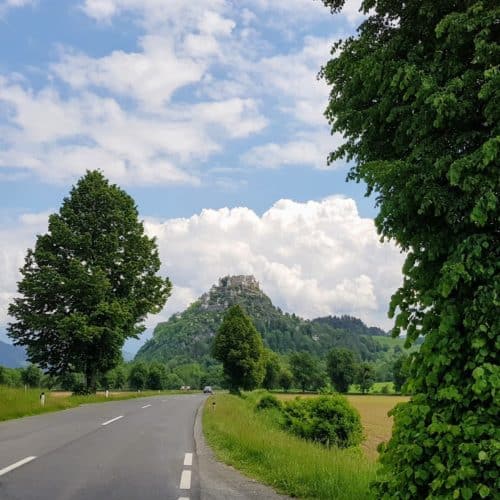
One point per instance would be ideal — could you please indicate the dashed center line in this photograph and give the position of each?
(185, 480)
(16, 465)
(112, 420)
(145, 406)
(183, 498)
(188, 459)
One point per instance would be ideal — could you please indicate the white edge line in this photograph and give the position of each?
(16, 465)
(188, 459)
(183, 498)
(146, 406)
(185, 480)
(112, 420)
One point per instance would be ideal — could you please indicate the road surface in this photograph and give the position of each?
(134, 449)
(138, 449)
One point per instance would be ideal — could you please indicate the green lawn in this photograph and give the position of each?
(16, 402)
(252, 442)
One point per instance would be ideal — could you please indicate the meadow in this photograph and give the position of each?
(18, 402)
(252, 442)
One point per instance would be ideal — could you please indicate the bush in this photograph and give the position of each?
(330, 420)
(268, 401)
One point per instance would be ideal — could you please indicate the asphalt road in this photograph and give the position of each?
(139, 449)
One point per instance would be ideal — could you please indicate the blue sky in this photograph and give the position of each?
(210, 115)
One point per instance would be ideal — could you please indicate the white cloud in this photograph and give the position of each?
(6, 5)
(313, 258)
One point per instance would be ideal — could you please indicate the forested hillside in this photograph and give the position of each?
(189, 334)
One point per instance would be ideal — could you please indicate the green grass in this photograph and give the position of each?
(252, 442)
(16, 402)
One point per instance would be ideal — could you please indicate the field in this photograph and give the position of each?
(15, 403)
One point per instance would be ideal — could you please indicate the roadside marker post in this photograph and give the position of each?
(42, 398)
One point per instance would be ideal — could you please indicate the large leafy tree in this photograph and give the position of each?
(341, 367)
(88, 284)
(307, 372)
(238, 346)
(416, 94)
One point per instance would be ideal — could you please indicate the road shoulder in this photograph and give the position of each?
(222, 482)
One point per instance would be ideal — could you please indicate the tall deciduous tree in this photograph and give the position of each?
(307, 371)
(341, 367)
(416, 94)
(238, 346)
(365, 377)
(88, 284)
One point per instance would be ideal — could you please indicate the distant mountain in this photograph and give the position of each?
(352, 324)
(189, 334)
(12, 356)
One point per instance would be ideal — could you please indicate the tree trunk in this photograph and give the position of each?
(91, 379)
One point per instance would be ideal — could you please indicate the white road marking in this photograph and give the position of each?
(146, 406)
(183, 498)
(185, 480)
(16, 465)
(188, 459)
(112, 420)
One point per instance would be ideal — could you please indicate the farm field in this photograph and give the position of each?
(17, 402)
(373, 410)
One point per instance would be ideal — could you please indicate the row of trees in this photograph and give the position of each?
(247, 364)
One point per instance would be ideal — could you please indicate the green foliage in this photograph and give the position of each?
(365, 377)
(400, 372)
(307, 372)
(156, 379)
(138, 376)
(416, 94)
(31, 376)
(238, 346)
(329, 420)
(341, 368)
(285, 379)
(173, 381)
(272, 367)
(88, 284)
(268, 401)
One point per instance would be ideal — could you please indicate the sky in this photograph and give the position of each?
(208, 113)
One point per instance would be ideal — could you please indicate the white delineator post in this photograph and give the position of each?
(107, 393)
(42, 399)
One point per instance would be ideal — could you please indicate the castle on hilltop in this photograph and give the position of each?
(225, 293)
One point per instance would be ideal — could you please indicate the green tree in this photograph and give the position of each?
(272, 368)
(365, 377)
(88, 284)
(307, 371)
(341, 368)
(400, 372)
(238, 346)
(285, 379)
(416, 95)
(173, 381)
(3, 375)
(31, 376)
(138, 376)
(156, 376)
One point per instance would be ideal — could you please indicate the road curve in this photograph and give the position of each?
(138, 449)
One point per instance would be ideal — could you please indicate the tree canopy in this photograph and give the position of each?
(341, 367)
(416, 95)
(238, 346)
(88, 284)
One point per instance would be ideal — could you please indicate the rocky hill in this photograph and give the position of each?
(188, 335)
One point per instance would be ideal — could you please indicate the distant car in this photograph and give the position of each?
(207, 390)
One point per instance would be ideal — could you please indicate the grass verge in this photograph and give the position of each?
(252, 442)
(16, 403)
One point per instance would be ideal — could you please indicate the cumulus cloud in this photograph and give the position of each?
(6, 5)
(314, 258)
